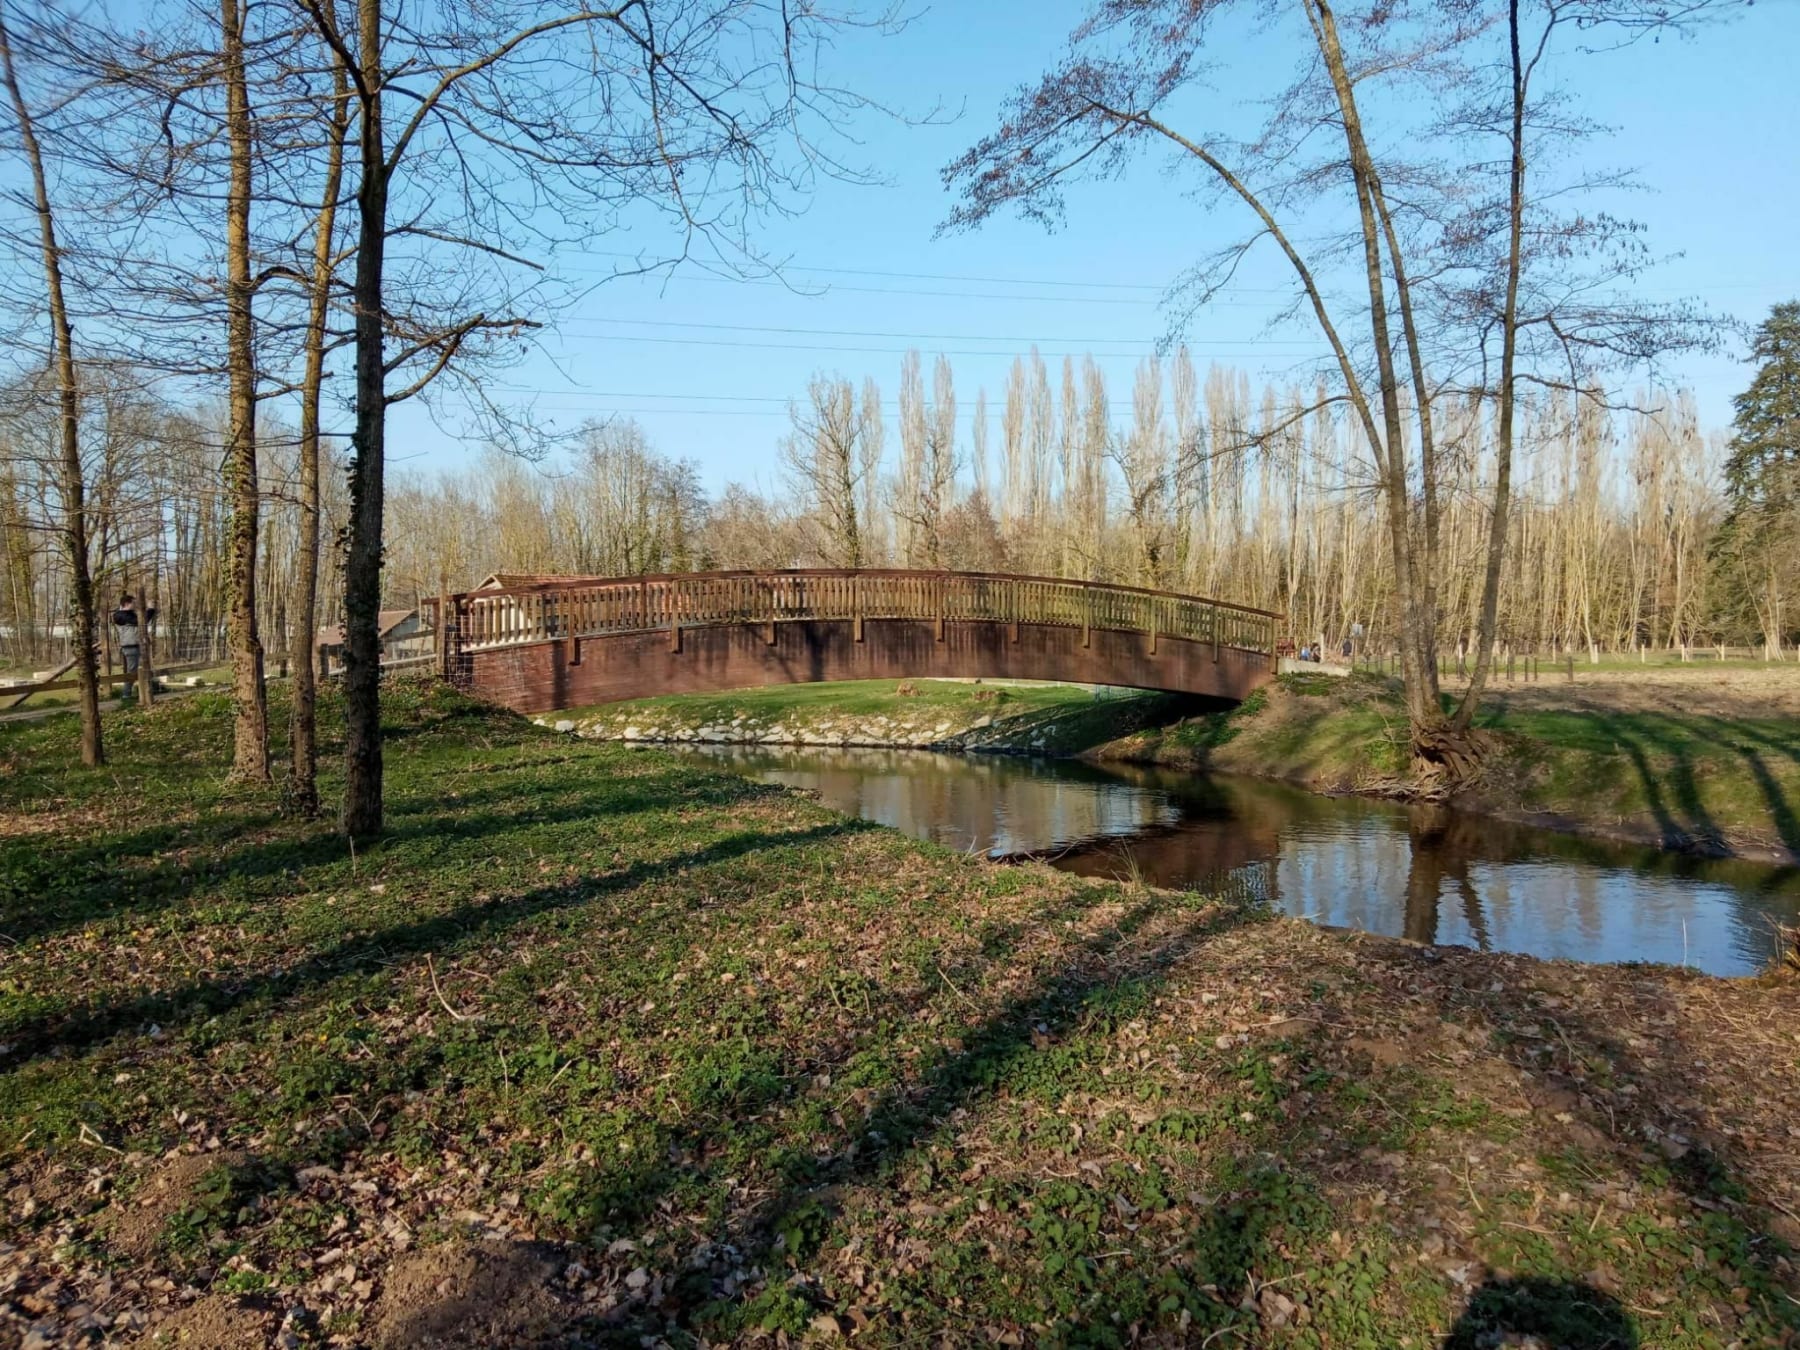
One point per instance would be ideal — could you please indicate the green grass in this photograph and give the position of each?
(752, 1065)
(860, 698)
(1685, 781)
(111, 686)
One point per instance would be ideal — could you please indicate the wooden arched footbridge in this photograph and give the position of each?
(570, 642)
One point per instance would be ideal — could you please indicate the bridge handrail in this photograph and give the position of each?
(598, 607)
(578, 582)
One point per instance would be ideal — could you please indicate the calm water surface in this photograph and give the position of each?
(1423, 873)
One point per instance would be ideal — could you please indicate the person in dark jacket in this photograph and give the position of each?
(131, 627)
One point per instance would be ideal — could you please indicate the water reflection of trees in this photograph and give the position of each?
(1440, 845)
(1004, 806)
(1425, 873)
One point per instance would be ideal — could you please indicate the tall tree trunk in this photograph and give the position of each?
(73, 487)
(362, 564)
(1417, 626)
(250, 751)
(304, 727)
(1503, 431)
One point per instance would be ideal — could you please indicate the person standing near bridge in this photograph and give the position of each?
(131, 627)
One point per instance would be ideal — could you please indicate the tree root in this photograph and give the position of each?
(1445, 763)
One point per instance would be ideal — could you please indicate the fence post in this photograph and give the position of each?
(443, 635)
(1087, 616)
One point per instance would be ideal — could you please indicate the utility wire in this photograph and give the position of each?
(894, 351)
(917, 337)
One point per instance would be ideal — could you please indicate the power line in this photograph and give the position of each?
(920, 337)
(835, 289)
(897, 351)
(1159, 288)
(888, 403)
(935, 276)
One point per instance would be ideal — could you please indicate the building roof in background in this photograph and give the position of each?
(385, 623)
(500, 581)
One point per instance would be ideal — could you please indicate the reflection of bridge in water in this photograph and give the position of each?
(576, 641)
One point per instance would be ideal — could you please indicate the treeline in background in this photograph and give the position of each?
(1627, 530)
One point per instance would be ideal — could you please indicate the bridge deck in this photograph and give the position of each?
(560, 643)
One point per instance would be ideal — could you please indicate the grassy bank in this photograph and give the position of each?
(1677, 764)
(1051, 719)
(595, 1047)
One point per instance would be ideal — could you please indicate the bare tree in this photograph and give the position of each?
(518, 126)
(73, 486)
(1118, 90)
(827, 459)
(927, 493)
(303, 725)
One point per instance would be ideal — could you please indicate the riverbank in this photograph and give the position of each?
(1003, 717)
(594, 1046)
(1693, 761)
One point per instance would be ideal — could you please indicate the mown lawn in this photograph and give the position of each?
(594, 1047)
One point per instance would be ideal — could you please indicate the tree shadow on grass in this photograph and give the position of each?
(1019, 1049)
(1112, 976)
(1597, 1075)
(475, 921)
(1566, 1314)
(1670, 778)
(54, 889)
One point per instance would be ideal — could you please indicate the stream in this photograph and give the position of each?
(1425, 873)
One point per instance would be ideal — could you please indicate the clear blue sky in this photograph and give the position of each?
(1711, 123)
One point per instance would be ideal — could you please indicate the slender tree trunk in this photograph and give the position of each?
(1417, 627)
(362, 565)
(73, 487)
(250, 753)
(304, 727)
(1503, 434)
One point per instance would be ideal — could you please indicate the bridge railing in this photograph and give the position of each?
(588, 608)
